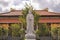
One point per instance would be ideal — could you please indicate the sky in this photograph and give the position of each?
(52, 5)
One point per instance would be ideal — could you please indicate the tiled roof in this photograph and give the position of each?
(44, 12)
(12, 13)
(49, 20)
(19, 12)
(8, 20)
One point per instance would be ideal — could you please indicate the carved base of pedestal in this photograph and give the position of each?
(30, 36)
(30, 39)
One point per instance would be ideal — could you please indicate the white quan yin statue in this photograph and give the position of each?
(30, 27)
(30, 22)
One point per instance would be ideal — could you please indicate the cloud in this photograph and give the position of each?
(4, 5)
(19, 4)
(52, 5)
(16, 2)
(35, 6)
(0, 9)
(42, 4)
(56, 8)
(18, 7)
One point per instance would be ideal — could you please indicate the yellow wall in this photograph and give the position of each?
(55, 25)
(4, 25)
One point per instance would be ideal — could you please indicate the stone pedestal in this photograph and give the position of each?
(30, 39)
(30, 36)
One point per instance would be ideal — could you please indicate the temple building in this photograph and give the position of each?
(51, 18)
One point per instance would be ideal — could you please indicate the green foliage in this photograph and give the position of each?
(15, 26)
(59, 32)
(54, 31)
(36, 17)
(37, 33)
(43, 30)
(5, 31)
(15, 29)
(22, 32)
(0, 31)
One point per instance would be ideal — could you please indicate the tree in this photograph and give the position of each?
(0, 31)
(36, 18)
(54, 32)
(15, 29)
(42, 31)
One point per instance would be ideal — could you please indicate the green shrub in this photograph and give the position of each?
(15, 29)
(5, 31)
(22, 34)
(37, 34)
(54, 32)
(44, 30)
(0, 31)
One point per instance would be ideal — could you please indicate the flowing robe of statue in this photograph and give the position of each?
(30, 22)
